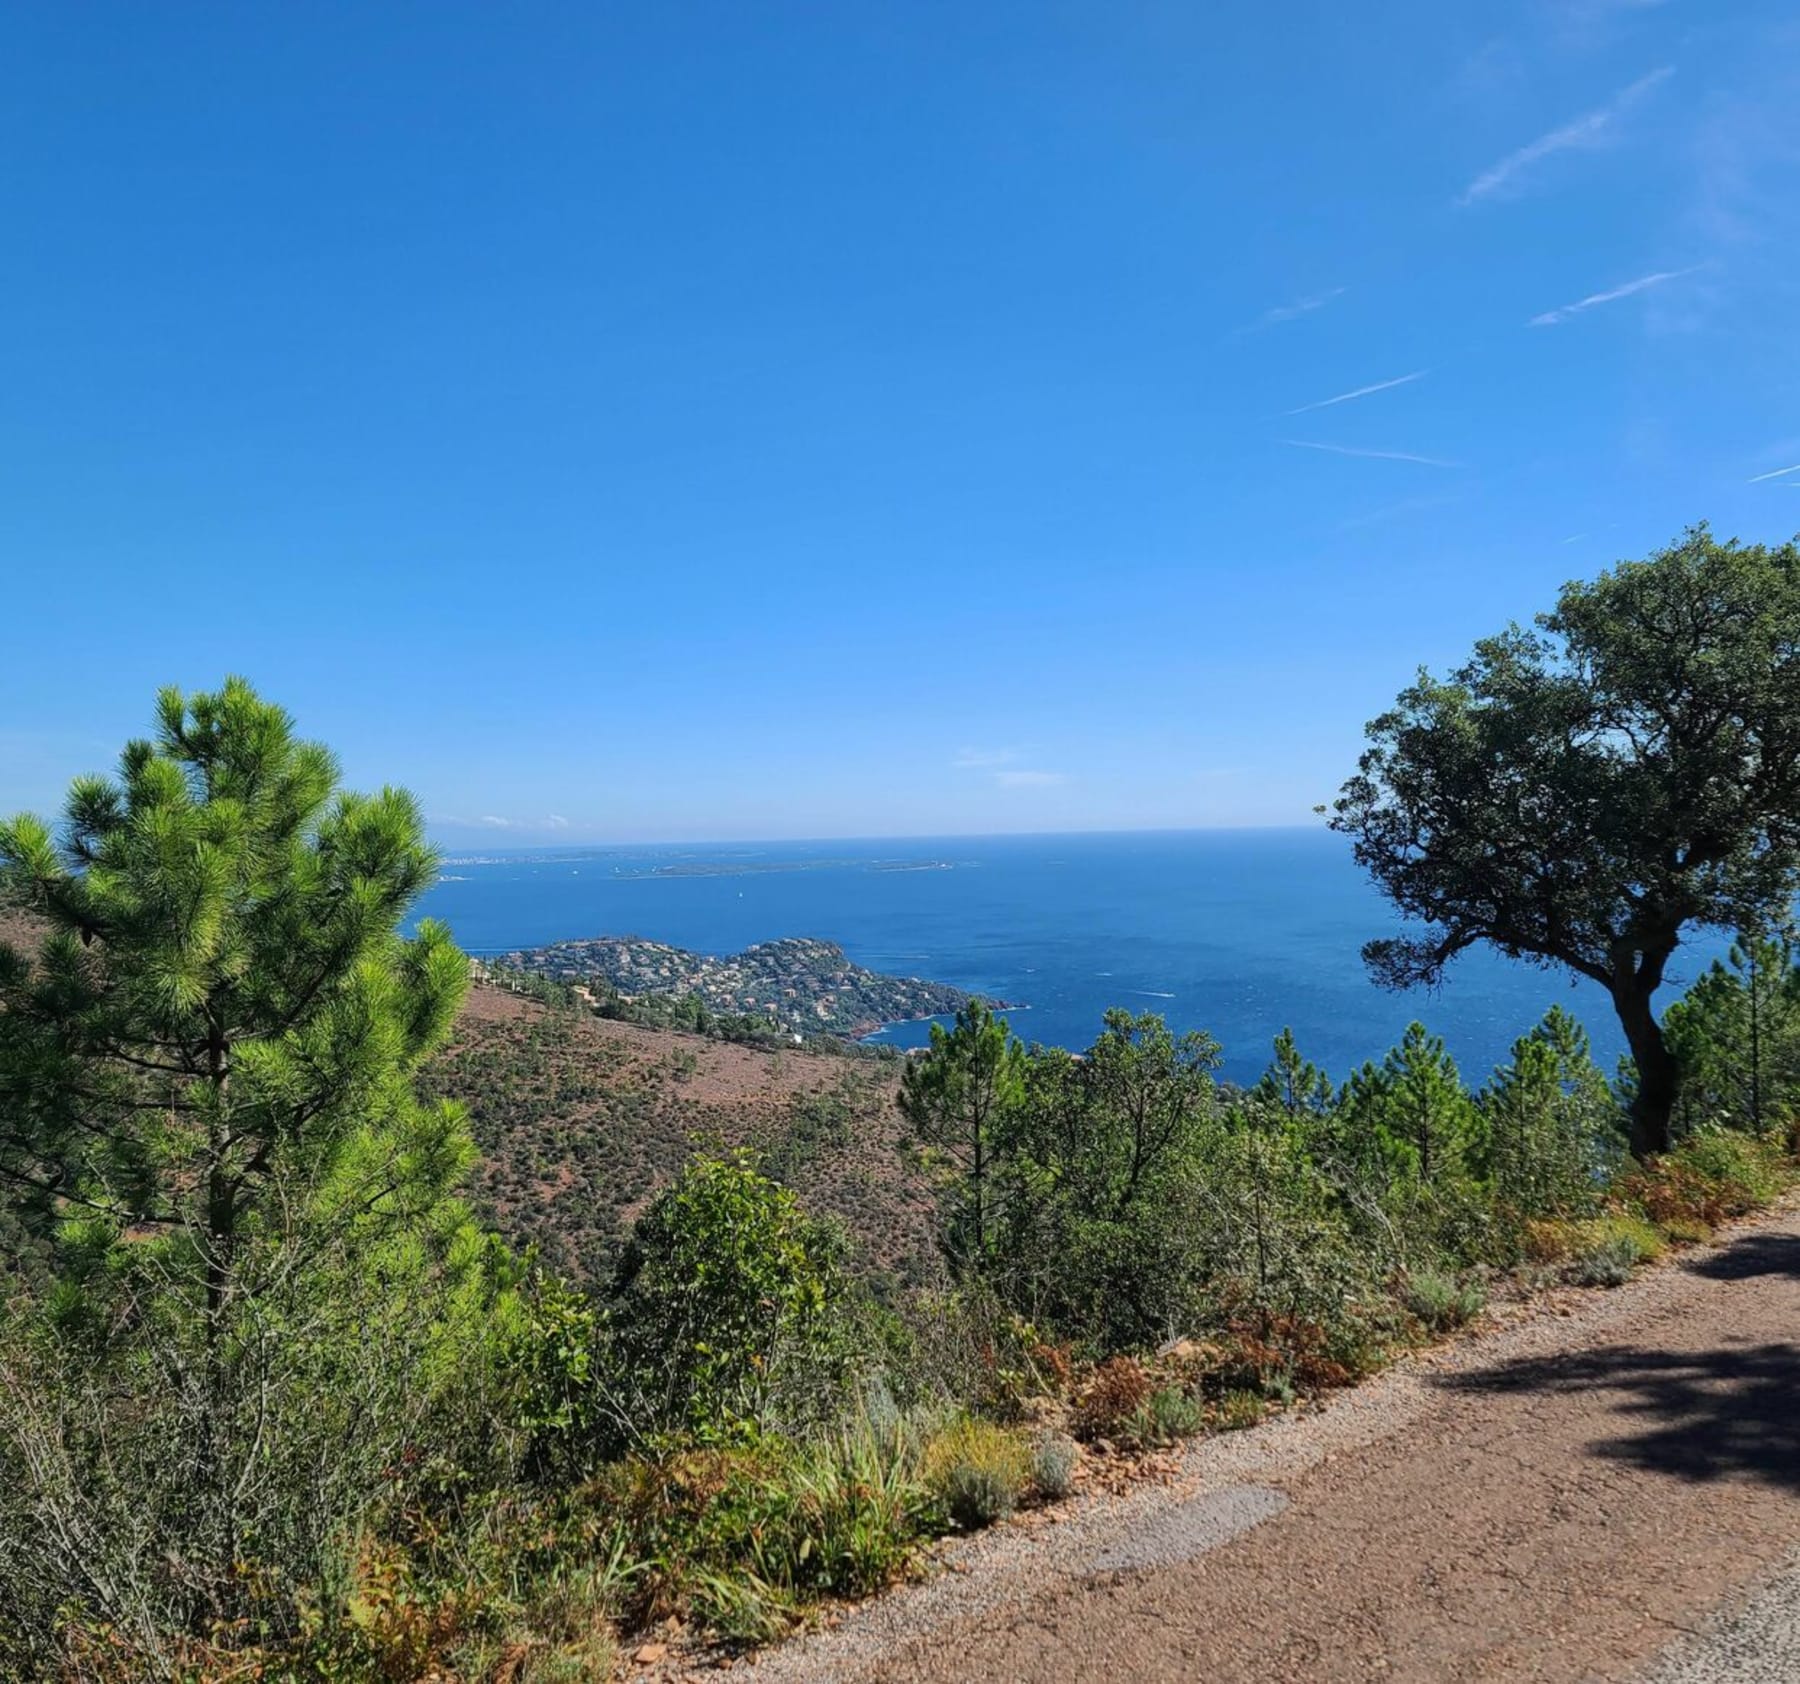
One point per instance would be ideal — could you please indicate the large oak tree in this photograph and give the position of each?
(1586, 793)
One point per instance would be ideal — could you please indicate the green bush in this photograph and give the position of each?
(1053, 1465)
(1607, 1249)
(1686, 1230)
(1607, 1264)
(1165, 1417)
(1270, 1238)
(1440, 1302)
(1239, 1409)
(728, 1316)
(978, 1471)
(1632, 1233)
(1744, 1173)
(742, 1539)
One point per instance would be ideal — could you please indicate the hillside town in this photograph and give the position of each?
(809, 987)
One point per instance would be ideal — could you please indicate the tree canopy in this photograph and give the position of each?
(1586, 792)
(222, 998)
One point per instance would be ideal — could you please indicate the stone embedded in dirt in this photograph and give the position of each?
(650, 1654)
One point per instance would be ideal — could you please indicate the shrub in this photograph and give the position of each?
(977, 1470)
(1268, 1235)
(1239, 1409)
(965, 1344)
(1118, 1387)
(1053, 1465)
(1632, 1233)
(1285, 1355)
(1714, 1174)
(741, 1540)
(1450, 1219)
(579, 1662)
(1607, 1264)
(570, 1630)
(1440, 1302)
(741, 1607)
(728, 1313)
(1670, 1194)
(1686, 1230)
(1165, 1417)
(1605, 1250)
(1744, 1173)
(1548, 1241)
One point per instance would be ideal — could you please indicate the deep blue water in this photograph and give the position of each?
(1234, 932)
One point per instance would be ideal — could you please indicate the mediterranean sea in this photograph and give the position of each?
(1237, 932)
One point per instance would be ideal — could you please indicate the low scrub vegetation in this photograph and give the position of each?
(1441, 1302)
(979, 1470)
(275, 1402)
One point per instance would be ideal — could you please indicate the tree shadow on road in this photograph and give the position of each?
(1752, 1255)
(1731, 1411)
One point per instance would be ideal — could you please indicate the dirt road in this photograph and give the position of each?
(1563, 1498)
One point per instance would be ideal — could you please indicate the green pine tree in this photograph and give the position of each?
(1551, 1127)
(222, 1011)
(1736, 1033)
(959, 1099)
(1297, 1085)
(1411, 1112)
(262, 1270)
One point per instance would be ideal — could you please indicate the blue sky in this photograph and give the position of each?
(758, 420)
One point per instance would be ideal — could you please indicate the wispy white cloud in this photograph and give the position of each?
(1586, 132)
(1022, 779)
(1362, 392)
(1375, 455)
(1292, 312)
(1643, 283)
(1773, 473)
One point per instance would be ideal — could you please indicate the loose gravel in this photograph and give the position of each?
(1756, 1640)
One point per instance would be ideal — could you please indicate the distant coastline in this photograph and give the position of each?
(802, 985)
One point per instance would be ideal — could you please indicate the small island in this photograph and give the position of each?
(805, 985)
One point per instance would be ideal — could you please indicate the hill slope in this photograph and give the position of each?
(579, 1120)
